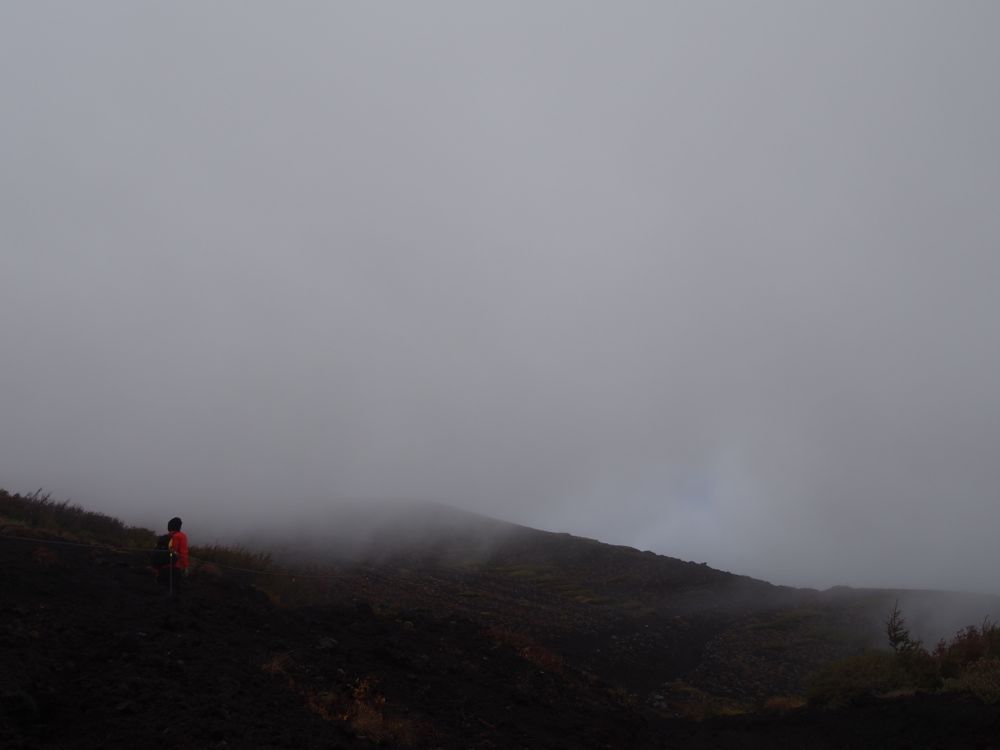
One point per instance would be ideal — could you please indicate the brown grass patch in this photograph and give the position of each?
(782, 704)
(363, 709)
(528, 649)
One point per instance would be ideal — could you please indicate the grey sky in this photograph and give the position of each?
(713, 279)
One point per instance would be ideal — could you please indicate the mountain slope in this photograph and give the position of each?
(635, 618)
(546, 640)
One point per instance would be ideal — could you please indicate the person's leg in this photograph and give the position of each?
(169, 579)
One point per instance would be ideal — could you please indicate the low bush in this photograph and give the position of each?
(981, 678)
(857, 679)
(968, 646)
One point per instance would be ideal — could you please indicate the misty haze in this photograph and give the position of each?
(718, 282)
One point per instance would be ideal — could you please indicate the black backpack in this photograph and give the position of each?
(161, 555)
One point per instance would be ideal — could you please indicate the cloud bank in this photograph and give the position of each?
(715, 281)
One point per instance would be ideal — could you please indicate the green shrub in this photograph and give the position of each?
(921, 669)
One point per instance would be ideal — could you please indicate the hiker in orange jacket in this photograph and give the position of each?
(178, 543)
(170, 575)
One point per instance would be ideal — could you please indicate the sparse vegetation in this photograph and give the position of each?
(970, 663)
(360, 706)
(967, 647)
(857, 679)
(37, 510)
(981, 678)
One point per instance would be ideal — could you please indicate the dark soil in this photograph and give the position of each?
(94, 655)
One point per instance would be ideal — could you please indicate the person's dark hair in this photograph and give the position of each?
(174, 524)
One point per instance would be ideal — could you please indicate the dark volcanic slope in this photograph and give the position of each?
(635, 619)
(94, 656)
(547, 641)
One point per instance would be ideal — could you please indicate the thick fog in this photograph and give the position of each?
(718, 280)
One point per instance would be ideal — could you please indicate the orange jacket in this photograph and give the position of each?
(179, 549)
